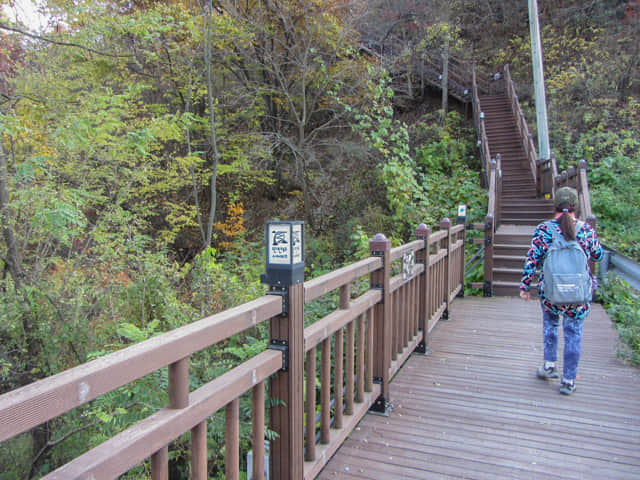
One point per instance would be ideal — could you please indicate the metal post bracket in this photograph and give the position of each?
(283, 346)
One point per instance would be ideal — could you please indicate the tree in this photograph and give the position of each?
(301, 59)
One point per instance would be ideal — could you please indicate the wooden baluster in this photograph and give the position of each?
(445, 224)
(232, 441)
(488, 256)
(405, 308)
(368, 374)
(325, 391)
(199, 452)
(349, 389)
(396, 315)
(413, 325)
(160, 464)
(339, 379)
(345, 301)
(310, 413)
(258, 432)
(360, 358)
(462, 256)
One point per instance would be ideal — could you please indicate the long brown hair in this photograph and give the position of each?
(567, 221)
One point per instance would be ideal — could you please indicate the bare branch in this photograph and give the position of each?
(59, 42)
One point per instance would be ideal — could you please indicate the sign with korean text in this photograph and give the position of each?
(279, 249)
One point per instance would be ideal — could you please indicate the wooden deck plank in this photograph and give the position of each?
(475, 409)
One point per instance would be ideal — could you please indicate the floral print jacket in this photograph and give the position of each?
(542, 238)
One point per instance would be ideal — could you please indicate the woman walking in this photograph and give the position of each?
(565, 224)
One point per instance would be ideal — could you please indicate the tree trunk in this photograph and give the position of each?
(14, 262)
(212, 126)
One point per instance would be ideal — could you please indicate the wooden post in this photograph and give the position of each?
(445, 224)
(462, 253)
(287, 385)
(488, 256)
(179, 384)
(380, 246)
(593, 223)
(422, 232)
(178, 398)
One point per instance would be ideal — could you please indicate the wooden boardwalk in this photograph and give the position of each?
(474, 408)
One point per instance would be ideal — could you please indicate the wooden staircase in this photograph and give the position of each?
(520, 208)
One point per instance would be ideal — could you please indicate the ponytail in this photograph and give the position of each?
(567, 224)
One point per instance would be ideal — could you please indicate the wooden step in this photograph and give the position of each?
(510, 261)
(515, 209)
(506, 235)
(527, 205)
(533, 220)
(507, 274)
(511, 250)
(511, 289)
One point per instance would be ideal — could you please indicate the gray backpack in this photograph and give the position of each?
(567, 280)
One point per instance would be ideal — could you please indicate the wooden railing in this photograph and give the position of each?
(409, 289)
(492, 176)
(478, 120)
(577, 178)
(458, 75)
(543, 170)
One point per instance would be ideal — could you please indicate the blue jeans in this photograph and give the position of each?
(572, 341)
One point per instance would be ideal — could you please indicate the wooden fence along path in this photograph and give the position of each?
(407, 290)
(474, 408)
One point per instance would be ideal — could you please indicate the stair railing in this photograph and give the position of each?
(543, 171)
(577, 178)
(492, 176)
(458, 73)
(478, 117)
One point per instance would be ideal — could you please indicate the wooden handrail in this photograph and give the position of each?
(393, 317)
(543, 171)
(577, 178)
(523, 129)
(480, 124)
(33, 404)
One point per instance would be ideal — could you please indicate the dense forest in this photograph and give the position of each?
(143, 144)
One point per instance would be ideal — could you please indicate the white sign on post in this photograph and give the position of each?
(296, 243)
(408, 262)
(279, 244)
